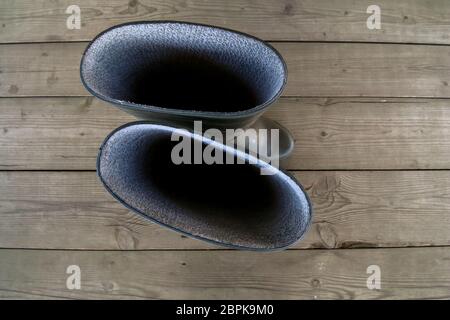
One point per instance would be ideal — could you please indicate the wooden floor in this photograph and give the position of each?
(370, 113)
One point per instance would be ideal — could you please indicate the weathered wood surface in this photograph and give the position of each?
(315, 69)
(331, 133)
(411, 273)
(353, 102)
(71, 210)
(410, 21)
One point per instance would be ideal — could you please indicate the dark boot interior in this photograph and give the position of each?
(230, 203)
(183, 66)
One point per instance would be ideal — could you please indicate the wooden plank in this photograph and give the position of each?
(45, 69)
(54, 133)
(413, 21)
(315, 69)
(409, 273)
(71, 210)
(330, 133)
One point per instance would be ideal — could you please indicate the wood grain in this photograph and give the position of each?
(412, 273)
(413, 21)
(353, 209)
(331, 133)
(381, 117)
(315, 69)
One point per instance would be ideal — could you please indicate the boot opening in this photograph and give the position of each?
(232, 204)
(183, 66)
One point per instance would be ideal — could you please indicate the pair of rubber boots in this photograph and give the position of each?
(202, 162)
